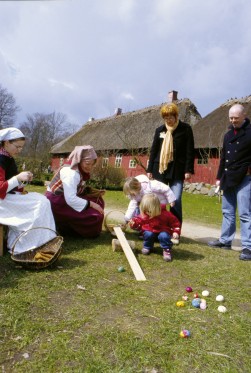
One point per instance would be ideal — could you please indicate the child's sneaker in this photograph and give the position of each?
(167, 255)
(145, 251)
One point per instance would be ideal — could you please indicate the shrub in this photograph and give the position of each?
(108, 177)
(40, 172)
(37, 182)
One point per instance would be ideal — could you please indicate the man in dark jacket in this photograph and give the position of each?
(234, 178)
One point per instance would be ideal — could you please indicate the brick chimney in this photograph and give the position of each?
(172, 96)
(118, 111)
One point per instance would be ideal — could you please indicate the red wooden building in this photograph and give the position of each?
(124, 140)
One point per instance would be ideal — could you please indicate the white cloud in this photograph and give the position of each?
(127, 96)
(123, 10)
(87, 58)
(54, 83)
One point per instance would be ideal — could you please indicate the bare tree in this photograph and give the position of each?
(43, 131)
(8, 108)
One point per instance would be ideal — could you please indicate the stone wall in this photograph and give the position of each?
(200, 188)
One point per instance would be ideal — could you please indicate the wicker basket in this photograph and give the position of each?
(27, 259)
(114, 218)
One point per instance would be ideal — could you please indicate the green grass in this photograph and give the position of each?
(82, 315)
(202, 209)
(196, 207)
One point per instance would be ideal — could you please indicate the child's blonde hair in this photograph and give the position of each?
(131, 185)
(150, 205)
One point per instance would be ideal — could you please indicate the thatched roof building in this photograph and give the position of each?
(132, 130)
(209, 131)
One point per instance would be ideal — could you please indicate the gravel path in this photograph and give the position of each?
(201, 233)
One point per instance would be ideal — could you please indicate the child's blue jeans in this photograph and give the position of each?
(164, 239)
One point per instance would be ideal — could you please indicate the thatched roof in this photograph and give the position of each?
(133, 130)
(209, 131)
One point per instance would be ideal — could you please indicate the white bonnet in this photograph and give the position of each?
(10, 133)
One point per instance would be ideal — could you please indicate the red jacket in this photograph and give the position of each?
(165, 222)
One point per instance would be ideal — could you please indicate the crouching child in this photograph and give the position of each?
(156, 224)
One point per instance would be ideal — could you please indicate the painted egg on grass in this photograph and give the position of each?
(180, 303)
(222, 309)
(205, 293)
(219, 298)
(121, 269)
(203, 301)
(189, 289)
(184, 297)
(196, 302)
(185, 333)
(196, 295)
(203, 305)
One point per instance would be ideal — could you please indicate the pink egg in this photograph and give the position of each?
(203, 305)
(189, 289)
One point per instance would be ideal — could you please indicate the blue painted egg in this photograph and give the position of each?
(196, 302)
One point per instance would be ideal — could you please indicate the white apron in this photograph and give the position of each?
(21, 212)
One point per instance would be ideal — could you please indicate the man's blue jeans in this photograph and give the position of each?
(164, 239)
(177, 188)
(239, 196)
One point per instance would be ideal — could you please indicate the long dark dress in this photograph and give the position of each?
(70, 205)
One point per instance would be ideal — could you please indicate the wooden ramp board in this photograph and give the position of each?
(138, 273)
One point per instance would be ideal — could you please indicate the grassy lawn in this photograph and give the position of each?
(82, 315)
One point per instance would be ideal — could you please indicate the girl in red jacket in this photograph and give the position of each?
(156, 223)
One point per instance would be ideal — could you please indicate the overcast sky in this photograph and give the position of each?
(84, 58)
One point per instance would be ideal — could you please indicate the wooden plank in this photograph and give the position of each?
(138, 273)
(116, 245)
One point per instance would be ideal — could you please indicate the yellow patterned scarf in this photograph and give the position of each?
(166, 154)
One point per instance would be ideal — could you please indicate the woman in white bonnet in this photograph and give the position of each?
(74, 211)
(20, 210)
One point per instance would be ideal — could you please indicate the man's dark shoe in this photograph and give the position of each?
(245, 254)
(219, 245)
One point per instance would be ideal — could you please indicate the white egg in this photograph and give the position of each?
(205, 293)
(222, 309)
(219, 298)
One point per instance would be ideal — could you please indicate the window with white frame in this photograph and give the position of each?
(203, 157)
(203, 160)
(118, 160)
(132, 163)
(105, 162)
